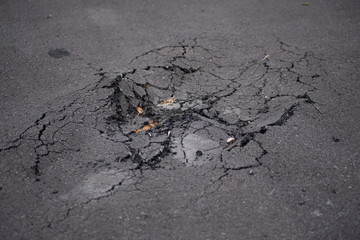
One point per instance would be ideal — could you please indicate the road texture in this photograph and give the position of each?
(179, 119)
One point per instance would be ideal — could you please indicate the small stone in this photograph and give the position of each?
(199, 153)
(251, 172)
(230, 140)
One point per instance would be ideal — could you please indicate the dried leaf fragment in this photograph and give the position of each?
(140, 111)
(147, 127)
(167, 102)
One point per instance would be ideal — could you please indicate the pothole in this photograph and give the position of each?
(186, 100)
(180, 104)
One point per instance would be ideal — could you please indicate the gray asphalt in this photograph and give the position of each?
(179, 119)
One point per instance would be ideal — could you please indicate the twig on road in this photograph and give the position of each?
(266, 57)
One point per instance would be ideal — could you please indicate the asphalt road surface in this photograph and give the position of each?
(179, 119)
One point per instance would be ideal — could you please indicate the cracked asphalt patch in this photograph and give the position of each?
(212, 100)
(98, 138)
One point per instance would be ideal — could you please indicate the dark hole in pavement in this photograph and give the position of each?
(58, 53)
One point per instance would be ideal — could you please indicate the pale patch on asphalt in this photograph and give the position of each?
(196, 150)
(98, 185)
